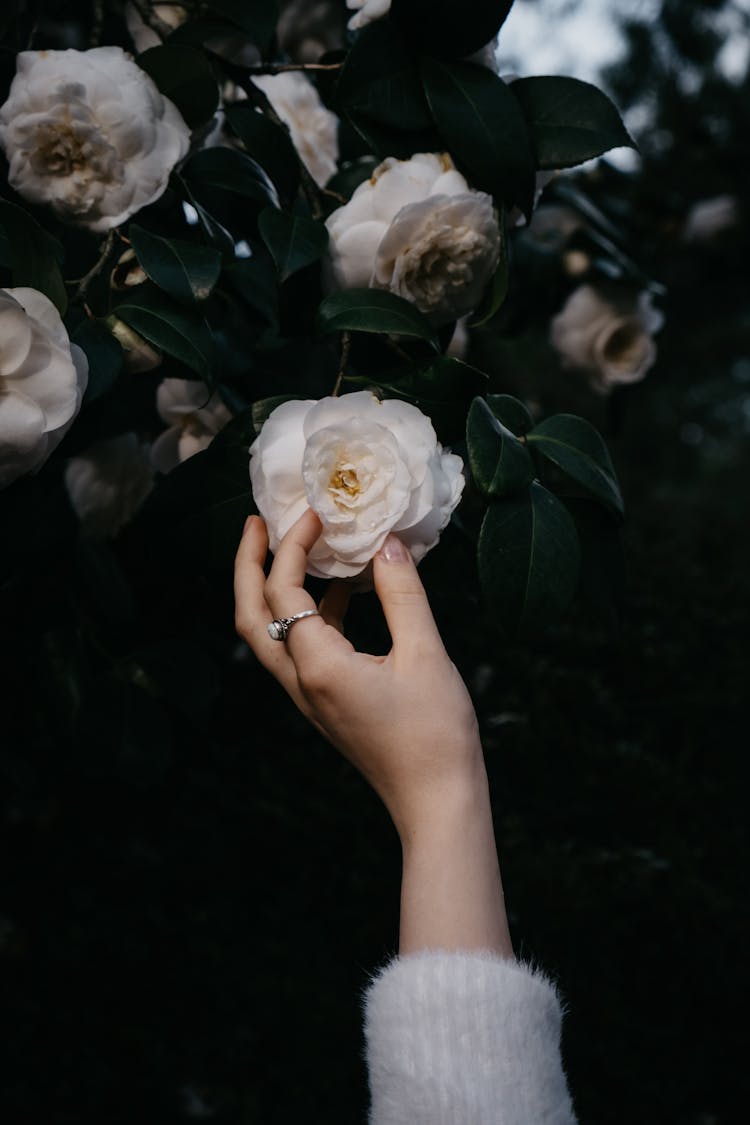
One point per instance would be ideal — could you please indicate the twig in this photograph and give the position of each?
(84, 282)
(282, 68)
(346, 341)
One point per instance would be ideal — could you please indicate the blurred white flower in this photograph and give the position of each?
(194, 417)
(42, 380)
(709, 218)
(366, 467)
(144, 37)
(417, 228)
(365, 11)
(313, 128)
(306, 29)
(89, 134)
(609, 337)
(108, 483)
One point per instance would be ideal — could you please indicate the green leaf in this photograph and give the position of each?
(497, 290)
(232, 171)
(483, 128)
(183, 75)
(570, 121)
(174, 329)
(373, 310)
(257, 18)
(380, 80)
(104, 354)
(513, 414)
(447, 28)
(269, 144)
(350, 175)
(254, 280)
(579, 450)
(185, 270)
(528, 557)
(442, 389)
(500, 464)
(218, 235)
(35, 255)
(293, 240)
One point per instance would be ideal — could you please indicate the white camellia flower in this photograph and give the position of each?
(417, 228)
(42, 380)
(313, 128)
(365, 11)
(194, 417)
(89, 134)
(366, 468)
(108, 483)
(608, 337)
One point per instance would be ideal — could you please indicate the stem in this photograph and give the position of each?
(346, 341)
(84, 282)
(282, 68)
(97, 21)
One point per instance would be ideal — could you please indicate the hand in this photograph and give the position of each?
(405, 720)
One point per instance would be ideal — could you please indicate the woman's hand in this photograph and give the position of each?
(405, 720)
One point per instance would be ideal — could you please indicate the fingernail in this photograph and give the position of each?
(393, 550)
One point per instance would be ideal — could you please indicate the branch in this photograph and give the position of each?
(84, 282)
(346, 341)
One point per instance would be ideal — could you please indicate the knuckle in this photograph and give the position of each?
(316, 679)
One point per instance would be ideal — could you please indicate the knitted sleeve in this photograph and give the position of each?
(464, 1039)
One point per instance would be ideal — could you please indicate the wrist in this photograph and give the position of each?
(446, 805)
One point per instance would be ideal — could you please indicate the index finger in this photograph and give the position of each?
(286, 596)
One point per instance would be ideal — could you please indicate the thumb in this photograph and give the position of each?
(403, 597)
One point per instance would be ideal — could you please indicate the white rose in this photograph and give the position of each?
(610, 338)
(366, 467)
(416, 228)
(365, 11)
(89, 134)
(313, 128)
(108, 483)
(42, 380)
(194, 417)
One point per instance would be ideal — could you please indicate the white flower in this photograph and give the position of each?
(108, 483)
(89, 134)
(313, 128)
(709, 218)
(194, 417)
(416, 228)
(42, 380)
(172, 15)
(608, 337)
(365, 11)
(366, 467)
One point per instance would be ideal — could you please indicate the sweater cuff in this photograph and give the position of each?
(459, 1038)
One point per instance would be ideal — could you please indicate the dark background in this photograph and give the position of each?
(196, 889)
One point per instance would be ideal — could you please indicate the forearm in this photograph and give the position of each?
(451, 890)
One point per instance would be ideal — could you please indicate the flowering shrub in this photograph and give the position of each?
(261, 254)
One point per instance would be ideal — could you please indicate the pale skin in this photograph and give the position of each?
(405, 720)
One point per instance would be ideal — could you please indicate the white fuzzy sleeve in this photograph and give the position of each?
(464, 1039)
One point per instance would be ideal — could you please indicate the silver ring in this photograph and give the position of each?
(278, 630)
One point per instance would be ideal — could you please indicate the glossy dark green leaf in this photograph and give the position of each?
(442, 389)
(528, 557)
(293, 241)
(254, 280)
(513, 414)
(373, 310)
(35, 256)
(497, 290)
(258, 18)
(449, 28)
(380, 80)
(500, 463)
(185, 270)
(267, 143)
(171, 327)
(212, 229)
(387, 140)
(351, 175)
(580, 451)
(104, 354)
(569, 120)
(483, 128)
(183, 75)
(232, 171)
